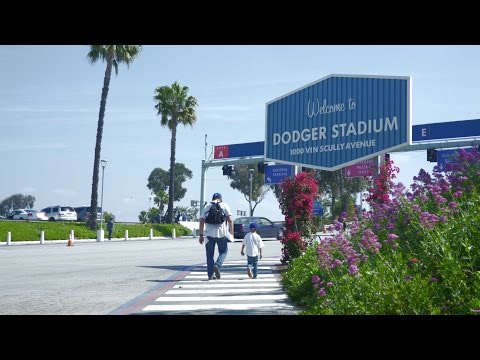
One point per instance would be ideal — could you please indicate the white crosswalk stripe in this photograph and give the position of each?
(230, 298)
(192, 309)
(219, 291)
(229, 276)
(247, 280)
(234, 293)
(219, 284)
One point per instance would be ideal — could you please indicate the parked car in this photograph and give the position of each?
(84, 211)
(11, 213)
(36, 215)
(27, 214)
(265, 227)
(58, 212)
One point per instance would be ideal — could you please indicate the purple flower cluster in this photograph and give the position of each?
(431, 202)
(335, 251)
(353, 270)
(316, 283)
(370, 241)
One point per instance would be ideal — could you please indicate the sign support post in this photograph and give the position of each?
(202, 186)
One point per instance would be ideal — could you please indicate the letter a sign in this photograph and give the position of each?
(339, 120)
(220, 152)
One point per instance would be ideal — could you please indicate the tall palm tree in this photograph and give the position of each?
(113, 55)
(175, 107)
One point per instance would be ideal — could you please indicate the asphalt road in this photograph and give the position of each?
(96, 278)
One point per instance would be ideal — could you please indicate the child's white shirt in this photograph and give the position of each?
(253, 243)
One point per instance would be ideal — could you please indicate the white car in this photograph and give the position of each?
(58, 212)
(27, 214)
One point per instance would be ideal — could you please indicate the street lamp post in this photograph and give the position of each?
(250, 198)
(150, 198)
(100, 236)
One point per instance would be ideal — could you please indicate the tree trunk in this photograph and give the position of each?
(334, 198)
(253, 209)
(172, 170)
(92, 218)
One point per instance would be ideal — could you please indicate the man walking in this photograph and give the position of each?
(110, 228)
(214, 219)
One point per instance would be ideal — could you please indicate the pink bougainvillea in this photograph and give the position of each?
(383, 183)
(296, 203)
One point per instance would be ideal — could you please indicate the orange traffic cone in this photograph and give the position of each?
(70, 241)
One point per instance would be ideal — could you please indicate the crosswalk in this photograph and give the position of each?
(234, 293)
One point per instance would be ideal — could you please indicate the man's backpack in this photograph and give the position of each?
(215, 215)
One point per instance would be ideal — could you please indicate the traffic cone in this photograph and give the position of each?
(70, 241)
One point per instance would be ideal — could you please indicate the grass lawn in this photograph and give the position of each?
(60, 230)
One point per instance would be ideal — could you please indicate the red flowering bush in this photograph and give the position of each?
(296, 202)
(383, 183)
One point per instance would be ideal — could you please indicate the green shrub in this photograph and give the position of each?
(297, 280)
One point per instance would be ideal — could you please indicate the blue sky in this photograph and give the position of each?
(50, 95)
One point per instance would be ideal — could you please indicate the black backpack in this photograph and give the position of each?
(215, 215)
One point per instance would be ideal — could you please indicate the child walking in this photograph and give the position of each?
(254, 244)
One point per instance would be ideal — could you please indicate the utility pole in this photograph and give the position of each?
(100, 231)
(251, 185)
(202, 186)
(205, 147)
(202, 180)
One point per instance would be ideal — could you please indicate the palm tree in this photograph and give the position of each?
(175, 107)
(113, 55)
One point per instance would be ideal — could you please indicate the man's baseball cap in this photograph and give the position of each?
(217, 196)
(253, 226)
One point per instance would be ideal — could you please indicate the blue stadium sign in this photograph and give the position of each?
(339, 120)
(274, 174)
